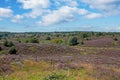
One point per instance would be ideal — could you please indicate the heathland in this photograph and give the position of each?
(60, 56)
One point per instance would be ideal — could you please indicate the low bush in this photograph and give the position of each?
(3, 52)
(73, 41)
(19, 41)
(115, 39)
(26, 41)
(5, 43)
(57, 41)
(8, 43)
(34, 40)
(0, 48)
(12, 50)
(48, 38)
(81, 43)
(55, 76)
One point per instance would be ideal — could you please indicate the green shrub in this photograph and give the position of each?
(8, 43)
(57, 41)
(19, 41)
(81, 43)
(48, 38)
(55, 76)
(73, 41)
(5, 43)
(115, 39)
(26, 41)
(12, 50)
(34, 40)
(3, 52)
(115, 43)
(0, 48)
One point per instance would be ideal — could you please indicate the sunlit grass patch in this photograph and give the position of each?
(42, 70)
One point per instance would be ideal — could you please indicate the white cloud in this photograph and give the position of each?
(33, 4)
(73, 3)
(61, 11)
(108, 7)
(17, 18)
(36, 13)
(93, 15)
(6, 12)
(63, 14)
(37, 7)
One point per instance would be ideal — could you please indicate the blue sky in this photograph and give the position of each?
(59, 15)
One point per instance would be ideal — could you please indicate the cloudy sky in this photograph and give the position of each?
(59, 15)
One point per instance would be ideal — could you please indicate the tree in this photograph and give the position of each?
(12, 50)
(73, 41)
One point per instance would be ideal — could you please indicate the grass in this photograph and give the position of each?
(94, 50)
(3, 52)
(32, 48)
(40, 70)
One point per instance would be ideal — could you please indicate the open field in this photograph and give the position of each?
(97, 59)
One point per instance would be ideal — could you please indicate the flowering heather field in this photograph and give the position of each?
(43, 61)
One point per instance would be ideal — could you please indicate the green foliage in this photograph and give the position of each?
(12, 50)
(115, 39)
(0, 48)
(115, 43)
(81, 43)
(48, 38)
(5, 43)
(57, 41)
(19, 40)
(73, 41)
(3, 52)
(84, 35)
(34, 40)
(26, 41)
(55, 76)
(8, 43)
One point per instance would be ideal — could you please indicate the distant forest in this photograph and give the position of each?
(57, 34)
